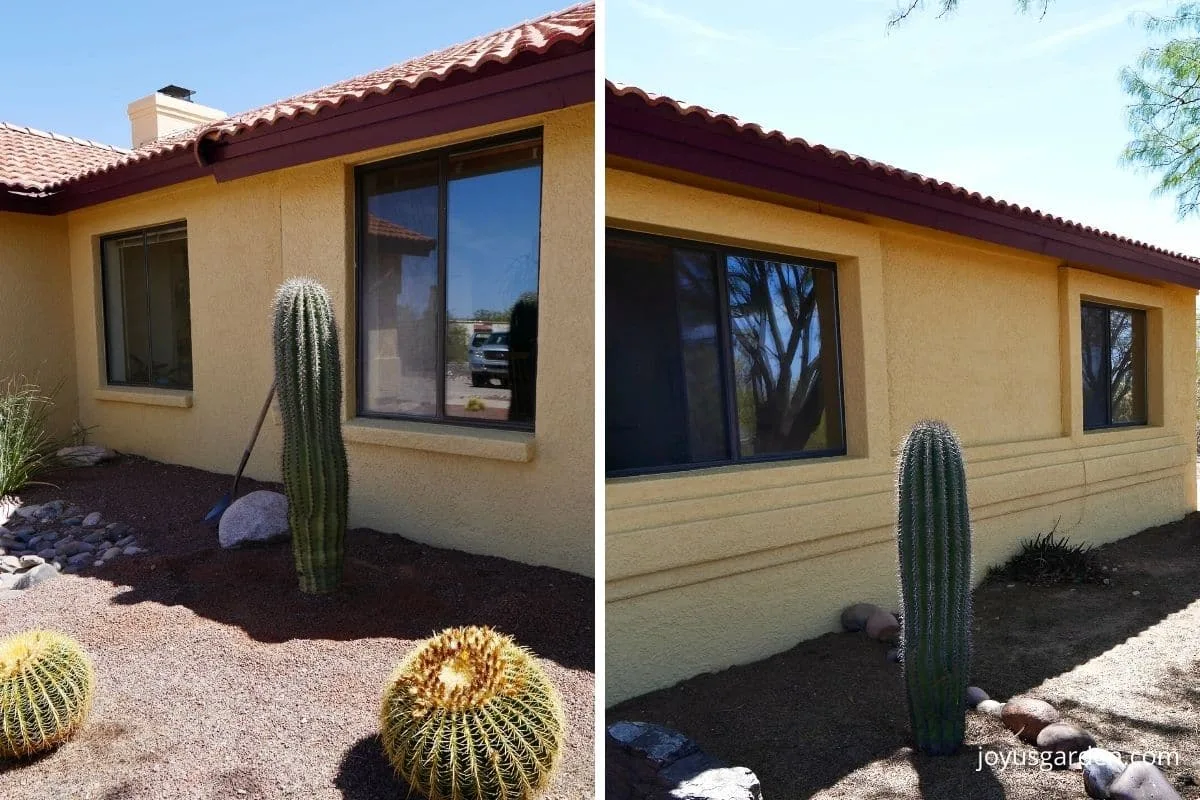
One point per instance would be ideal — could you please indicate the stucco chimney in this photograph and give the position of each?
(168, 110)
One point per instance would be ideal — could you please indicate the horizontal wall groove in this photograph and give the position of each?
(792, 552)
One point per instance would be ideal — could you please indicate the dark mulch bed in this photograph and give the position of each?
(216, 678)
(827, 719)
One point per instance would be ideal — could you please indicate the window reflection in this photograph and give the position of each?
(400, 292)
(492, 238)
(448, 285)
(785, 356)
(1113, 346)
(147, 317)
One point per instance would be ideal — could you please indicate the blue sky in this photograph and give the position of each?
(1024, 108)
(74, 68)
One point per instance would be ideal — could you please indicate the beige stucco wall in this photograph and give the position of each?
(716, 567)
(523, 496)
(35, 309)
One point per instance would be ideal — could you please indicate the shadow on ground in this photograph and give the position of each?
(814, 719)
(393, 587)
(365, 773)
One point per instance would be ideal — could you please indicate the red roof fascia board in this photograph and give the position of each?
(538, 88)
(663, 132)
(24, 204)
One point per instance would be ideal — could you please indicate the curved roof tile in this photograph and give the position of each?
(571, 25)
(885, 171)
(33, 160)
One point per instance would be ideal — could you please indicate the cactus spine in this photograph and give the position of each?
(46, 684)
(933, 534)
(308, 374)
(469, 715)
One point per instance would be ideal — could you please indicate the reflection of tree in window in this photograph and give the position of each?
(780, 316)
(1113, 349)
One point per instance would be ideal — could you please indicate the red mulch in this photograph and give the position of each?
(217, 678)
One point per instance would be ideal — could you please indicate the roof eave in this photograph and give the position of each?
(662, 136)
(560, 77)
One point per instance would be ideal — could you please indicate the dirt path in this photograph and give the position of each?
(827, 719)
(217, 679)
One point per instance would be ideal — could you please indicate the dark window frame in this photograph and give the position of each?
(106, 307)
(1145, 377)
(725, 355)
(443, 156)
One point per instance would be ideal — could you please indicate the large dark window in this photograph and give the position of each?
(147, 322)
(448, 284)
(717, 355)
(1114, 366)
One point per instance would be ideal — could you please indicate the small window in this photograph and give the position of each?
(449, 247)
(147, 321)
(716, 355)
(1114, 366)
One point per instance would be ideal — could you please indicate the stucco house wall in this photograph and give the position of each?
(36, 326)
(465, 488)
(714, 567)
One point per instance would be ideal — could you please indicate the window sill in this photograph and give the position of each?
(500, 445)
(144, 395)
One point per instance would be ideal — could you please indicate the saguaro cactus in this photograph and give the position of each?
(308, 374)
(933, 533)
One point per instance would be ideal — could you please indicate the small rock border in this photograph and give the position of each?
(61, 536)
(1061, 744)
(644, 761)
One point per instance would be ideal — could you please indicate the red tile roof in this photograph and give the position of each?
(48, 170)
(386, 229)
(848, 161)
(33, 160)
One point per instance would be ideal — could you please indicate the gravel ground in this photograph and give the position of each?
(827, 719)
(216, 678)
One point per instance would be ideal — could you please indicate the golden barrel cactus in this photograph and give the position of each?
(46, 684)
(469, 715)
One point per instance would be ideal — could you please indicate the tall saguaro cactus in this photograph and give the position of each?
(308, 373)
(933, 533)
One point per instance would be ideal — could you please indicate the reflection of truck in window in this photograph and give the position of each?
(479, 334)
(490, 360)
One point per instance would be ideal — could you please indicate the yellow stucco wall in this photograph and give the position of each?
(35, 309)
(716, 567)
(523, 496)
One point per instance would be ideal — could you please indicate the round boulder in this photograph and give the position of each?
(1065, 741)
(883, 626)
(1141, 780)
(1026, 716)
(854, 618)
(990, 707)
(975, 696)
(256, 518)
(1100, 769)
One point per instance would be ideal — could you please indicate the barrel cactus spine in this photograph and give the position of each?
(308, 374)
(933, 534)
(469, 715)
(46, 688)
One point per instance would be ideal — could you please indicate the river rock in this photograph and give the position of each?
(854, 618)
(1100, 769)
(85, 455)
(1026, 716)
(1141, 780)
